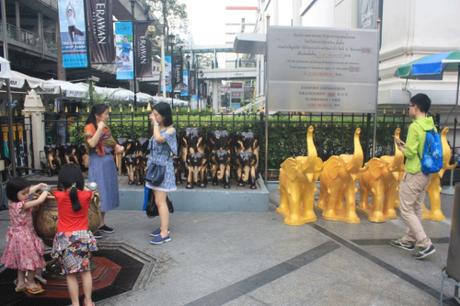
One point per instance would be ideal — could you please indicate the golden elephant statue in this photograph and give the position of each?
(434, 186)
(373, 181)
(381, 177)
(337, 192)
(298, 176)
(338, 184)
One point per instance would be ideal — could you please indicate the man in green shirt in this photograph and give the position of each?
(413, 185)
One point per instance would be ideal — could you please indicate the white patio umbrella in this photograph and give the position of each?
(19, 80)
(143, 98)
(67, 89)
(177, 102)
(5, 69)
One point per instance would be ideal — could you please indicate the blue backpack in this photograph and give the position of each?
(431, 159)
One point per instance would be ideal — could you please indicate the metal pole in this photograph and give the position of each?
(455, 127)
(451, 190)
(453, 146)
(173, 72)
(4, 30)
(134, 53)
(163, 68)
(374, 136)
(10, 129)
(8, 91)
(266, 100)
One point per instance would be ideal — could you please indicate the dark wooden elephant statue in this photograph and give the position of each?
(246, 162)
(220, 144)
(194, 158)
(247, 158)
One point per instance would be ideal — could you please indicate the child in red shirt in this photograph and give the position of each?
(74, 242)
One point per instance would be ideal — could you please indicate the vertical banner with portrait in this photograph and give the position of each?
(72, 23)
(184, 91)
(143, 51)
(100, 31)
(168, 68)
(124, 50)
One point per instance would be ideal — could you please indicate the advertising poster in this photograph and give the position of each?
(72, 25)
(168, 73)
(184, 92)
(124, 50)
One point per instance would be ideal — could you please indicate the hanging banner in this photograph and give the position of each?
(192, 82)
(178, 64)
(101, 31)
(168, 73)
(72, 25)
(184, 90)
(124, 49)
(143, 50)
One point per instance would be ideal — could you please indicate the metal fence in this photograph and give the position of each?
(286, 132)
(22, 144)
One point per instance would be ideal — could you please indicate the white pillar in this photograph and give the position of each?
(275, 12)
(215, 95)
(41, 32)
(34, 115)
(296, 18)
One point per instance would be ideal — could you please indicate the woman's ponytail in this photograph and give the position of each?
(76, 206)
(70, 176)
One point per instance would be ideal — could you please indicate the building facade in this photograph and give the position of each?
(32, 36)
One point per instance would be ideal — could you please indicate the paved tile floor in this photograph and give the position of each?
(255, 259)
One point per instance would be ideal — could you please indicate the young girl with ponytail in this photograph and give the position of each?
(74, 242)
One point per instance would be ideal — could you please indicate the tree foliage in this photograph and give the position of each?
(176, 15)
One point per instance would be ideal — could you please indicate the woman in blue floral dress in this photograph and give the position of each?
(163, 146)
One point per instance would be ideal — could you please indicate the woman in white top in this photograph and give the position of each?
(72, 23)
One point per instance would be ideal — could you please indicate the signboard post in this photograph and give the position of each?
(322, 70)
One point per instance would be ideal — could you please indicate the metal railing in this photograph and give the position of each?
(52, 3)
(286, 131)
(30, 39)
(23, 149)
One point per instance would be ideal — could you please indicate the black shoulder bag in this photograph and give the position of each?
(155, 173)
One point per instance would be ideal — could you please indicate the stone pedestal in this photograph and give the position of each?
(35, 127)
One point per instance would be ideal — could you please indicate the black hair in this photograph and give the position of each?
(422, 101)
(15, 185)
(70, 176)
(97, 109)
(164, 110)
